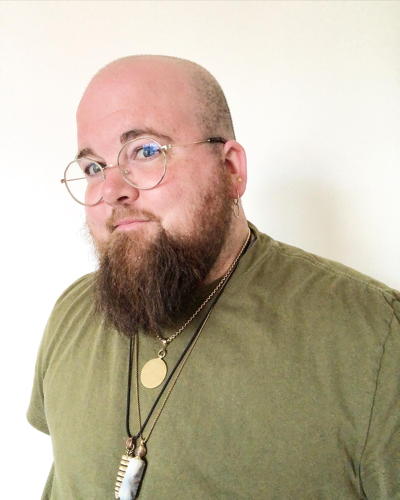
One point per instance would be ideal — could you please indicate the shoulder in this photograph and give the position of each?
(305, 281)
(298, 261)
(73, 310)
(80, 289)
(75, 305)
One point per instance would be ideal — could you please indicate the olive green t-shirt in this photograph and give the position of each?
(291, 392)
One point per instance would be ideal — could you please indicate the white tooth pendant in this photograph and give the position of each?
(130, 473)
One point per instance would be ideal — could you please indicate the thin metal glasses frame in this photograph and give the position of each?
(163, 148)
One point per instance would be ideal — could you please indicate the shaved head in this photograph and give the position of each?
(178, 79)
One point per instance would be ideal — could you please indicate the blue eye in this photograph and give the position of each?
(92, 169)
(150, 150)
(139, 150)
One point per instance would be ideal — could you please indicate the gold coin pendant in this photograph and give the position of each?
(153, 373)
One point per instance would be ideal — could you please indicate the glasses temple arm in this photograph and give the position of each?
(217, 140)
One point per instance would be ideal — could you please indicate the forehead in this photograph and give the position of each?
(137, 97)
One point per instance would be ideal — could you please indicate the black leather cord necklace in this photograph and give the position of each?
(132, 465)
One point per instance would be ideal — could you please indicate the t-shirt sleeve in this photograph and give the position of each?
(36, 411)
(380, 463)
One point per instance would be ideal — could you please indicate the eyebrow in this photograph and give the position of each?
(127, 136)
(137, 132)
(85, 152)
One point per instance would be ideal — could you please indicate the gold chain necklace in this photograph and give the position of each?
(132, 465)
(155, 370)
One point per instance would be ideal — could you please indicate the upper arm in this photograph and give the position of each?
(380, 463)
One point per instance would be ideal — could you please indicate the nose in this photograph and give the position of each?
(116, 191)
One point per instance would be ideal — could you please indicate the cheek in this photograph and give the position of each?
(180, 215)
(95, 220)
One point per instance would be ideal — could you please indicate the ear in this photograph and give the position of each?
(236, 167)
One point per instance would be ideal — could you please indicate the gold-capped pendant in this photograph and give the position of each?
(130, 473)
(153, 373)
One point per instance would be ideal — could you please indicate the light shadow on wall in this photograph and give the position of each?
(314, 215)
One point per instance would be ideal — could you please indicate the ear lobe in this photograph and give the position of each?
(236, 167)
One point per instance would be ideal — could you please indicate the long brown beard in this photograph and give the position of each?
(142, 285)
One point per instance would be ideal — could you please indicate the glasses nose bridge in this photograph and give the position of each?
(114, 187)
(123, 172)
(110, 166)
(125, 169)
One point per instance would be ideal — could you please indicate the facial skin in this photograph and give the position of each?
(152, 92)
(155, 97)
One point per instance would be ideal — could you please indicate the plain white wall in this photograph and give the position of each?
(314, 91)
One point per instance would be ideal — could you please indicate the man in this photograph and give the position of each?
(239, 367)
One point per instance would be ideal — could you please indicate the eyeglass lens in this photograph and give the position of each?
(142, 163)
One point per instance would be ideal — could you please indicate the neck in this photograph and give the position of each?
(230, 249)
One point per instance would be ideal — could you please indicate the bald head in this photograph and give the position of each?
(189, 90)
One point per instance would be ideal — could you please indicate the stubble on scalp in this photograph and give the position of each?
(146, 286)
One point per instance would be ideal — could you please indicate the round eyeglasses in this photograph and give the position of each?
(142, 163)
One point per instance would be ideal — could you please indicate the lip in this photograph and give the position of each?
(128, 224)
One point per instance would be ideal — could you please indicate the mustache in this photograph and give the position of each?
(119, 214)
